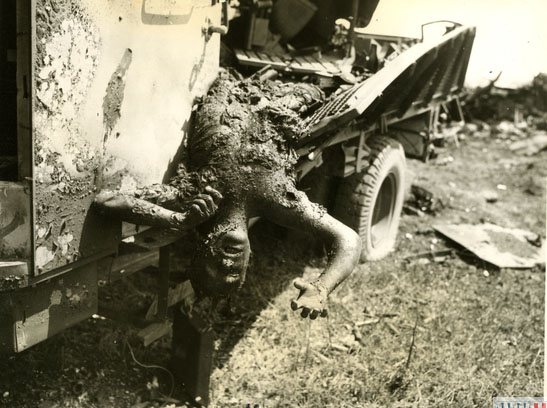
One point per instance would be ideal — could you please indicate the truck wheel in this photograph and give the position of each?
(370, 202)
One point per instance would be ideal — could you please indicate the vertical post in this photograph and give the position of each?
(25, 43)
(459, 108)
(353, 22)
(192, 358)
(26, 34)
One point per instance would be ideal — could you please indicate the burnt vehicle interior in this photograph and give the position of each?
(8, 92)
(303, 37)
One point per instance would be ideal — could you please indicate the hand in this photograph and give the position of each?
(203, 206)
(312, 299)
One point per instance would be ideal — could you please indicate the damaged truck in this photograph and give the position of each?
(99, 95)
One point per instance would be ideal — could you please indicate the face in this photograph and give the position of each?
(222, 265)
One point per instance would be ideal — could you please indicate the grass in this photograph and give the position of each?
(472, 331)
(479, 330)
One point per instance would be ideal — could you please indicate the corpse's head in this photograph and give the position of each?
(221, 260)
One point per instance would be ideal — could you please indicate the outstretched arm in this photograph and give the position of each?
(343, 246)
(143, 212)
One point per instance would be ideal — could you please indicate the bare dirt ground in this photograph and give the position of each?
(475, 331)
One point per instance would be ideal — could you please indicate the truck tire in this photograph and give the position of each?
(370, 202)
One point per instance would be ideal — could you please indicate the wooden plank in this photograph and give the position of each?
(125, 265)
(155, 238)
(155, 331)
(182, 291)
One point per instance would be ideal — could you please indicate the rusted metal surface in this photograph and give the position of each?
(31, 315)
(114, 86)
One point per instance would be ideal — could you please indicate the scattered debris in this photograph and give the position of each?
(411, 210)
(391, 328)
(502, 247)
(527, 104)
(445, 160)
(339, 347)
(530, 146)
(367, 322)
(422, 201)
(437, 256)
(490, 196)
(506, 129)
(533, 186)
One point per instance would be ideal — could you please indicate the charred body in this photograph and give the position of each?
(240, 164)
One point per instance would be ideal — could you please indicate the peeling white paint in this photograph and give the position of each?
(43, 256)
(63, 241)
(41, 232)
(55, 298)
(128, 184)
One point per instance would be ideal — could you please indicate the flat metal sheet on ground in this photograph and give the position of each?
(503, 247)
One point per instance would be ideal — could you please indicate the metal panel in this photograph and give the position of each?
(25, 79)
(15, 232)
(115, 83)
(44, 310)
(372, 97)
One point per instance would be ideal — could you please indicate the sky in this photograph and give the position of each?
(511, 35)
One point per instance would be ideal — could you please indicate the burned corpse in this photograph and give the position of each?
(239, 165)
